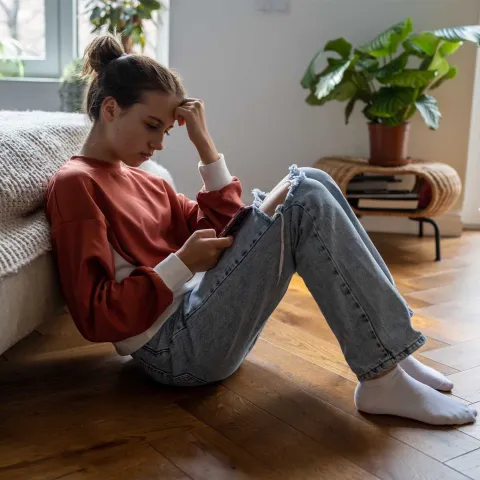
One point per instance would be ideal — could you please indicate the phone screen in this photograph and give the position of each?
(235, 222)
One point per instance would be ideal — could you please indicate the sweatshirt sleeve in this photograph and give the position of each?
(103, 309)
(218, 200)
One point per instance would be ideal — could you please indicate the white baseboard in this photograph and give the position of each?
(450, 225)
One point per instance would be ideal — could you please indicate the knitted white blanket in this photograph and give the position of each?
(33, 146)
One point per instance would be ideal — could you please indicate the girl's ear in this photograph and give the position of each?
(110, 109)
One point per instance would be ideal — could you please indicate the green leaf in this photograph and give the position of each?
(388, 41)
(95, 15)
(144, 14)
(115, 16)
(451, 74)
(427, 42)
(456, 34)
(410, 78)
(413, 49)
(440, 65)
(370, 117)
(128, 30)
(428, 108)
(340, 46)
(368, 64)
(389, 101)
(310, 77)
(335, 62)
(448, 48)
(342, 92)
(393, 67)
(328, 82)
(349, 108)
(314, 101)
(151, 4)
(397, 119)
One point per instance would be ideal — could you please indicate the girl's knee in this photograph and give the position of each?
(275, 198)
(316, 174)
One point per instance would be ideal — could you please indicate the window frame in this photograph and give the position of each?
(60, 39)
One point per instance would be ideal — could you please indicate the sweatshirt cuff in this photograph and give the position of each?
(173, 272)
(215, 175)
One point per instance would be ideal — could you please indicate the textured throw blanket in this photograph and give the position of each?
(33, 146)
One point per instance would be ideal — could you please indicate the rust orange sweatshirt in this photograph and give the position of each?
(105, 216)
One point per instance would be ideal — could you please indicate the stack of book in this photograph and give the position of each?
(370, 191)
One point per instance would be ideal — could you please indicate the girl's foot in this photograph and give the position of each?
(426, 375)
(399, 394)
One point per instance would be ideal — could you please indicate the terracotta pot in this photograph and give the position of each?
(389, 145)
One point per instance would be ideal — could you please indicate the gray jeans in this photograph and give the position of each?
(315, 233)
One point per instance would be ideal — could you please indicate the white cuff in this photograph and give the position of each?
(215, 175)
(173, 272)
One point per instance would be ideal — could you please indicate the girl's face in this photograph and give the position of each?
(133, 134)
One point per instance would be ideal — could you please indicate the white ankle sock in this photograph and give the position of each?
(399, 394)
(426, 375)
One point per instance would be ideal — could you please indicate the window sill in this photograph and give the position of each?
(30, 79)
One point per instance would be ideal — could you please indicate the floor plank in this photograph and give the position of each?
(467, 384)
(114, 461)
(283, 448)
(204, 454)
(468, 464)
(461, 356)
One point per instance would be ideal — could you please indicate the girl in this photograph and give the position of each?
(142, 266)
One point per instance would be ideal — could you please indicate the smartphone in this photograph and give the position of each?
(235, 222)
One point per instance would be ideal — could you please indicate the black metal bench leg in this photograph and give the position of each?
(437, 237)
(437, 234)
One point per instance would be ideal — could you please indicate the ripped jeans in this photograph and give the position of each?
(315, 233)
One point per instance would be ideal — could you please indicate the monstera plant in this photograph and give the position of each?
(392, 77)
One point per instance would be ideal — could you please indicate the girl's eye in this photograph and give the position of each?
(152, 127)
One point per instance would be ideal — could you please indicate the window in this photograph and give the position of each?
(24, 22)
(48, 34)
(85, 34)
(42, 31)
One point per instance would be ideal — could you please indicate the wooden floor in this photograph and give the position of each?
(75, 411)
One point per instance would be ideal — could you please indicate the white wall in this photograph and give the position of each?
(247, 66)
(25, 94)
(471, 208)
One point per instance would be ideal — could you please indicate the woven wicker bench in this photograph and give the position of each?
(443, 181)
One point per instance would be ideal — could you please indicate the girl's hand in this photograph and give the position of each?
(192, 114)
(202, 250)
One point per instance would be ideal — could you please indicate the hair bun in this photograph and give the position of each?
(100, 52)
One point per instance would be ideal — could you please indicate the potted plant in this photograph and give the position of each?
(123, 17)
(392, 76)
(72, 87)
(10, 52)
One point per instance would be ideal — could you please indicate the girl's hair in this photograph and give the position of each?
(124, 77)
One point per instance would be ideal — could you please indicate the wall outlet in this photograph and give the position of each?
(270, 6)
